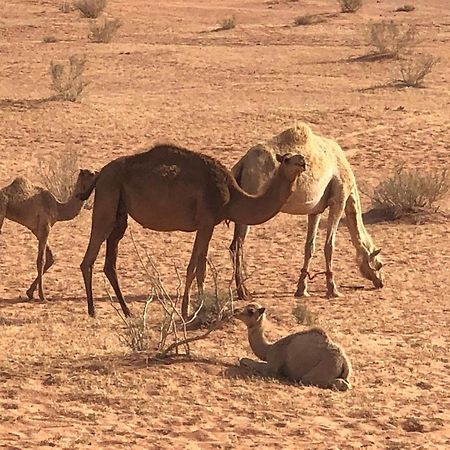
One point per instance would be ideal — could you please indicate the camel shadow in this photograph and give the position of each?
(24, 104)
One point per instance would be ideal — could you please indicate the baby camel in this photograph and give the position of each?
(38, 210)
(309, 357)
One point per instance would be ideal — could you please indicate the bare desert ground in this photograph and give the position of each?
(66, 381)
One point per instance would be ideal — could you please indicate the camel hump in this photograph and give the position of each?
(20, 188)
(296, 136)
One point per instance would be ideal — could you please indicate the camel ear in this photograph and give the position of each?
(376, 252)
(261, 311)
(279, 157)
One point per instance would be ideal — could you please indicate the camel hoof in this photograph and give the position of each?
(341, 385)
(245, 362)
(334, 294)
(243, 294)
(30, 294)
(301, 293)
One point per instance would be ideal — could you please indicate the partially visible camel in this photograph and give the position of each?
(38, 210)
(309, 357)
(328, 182)
(168, 188)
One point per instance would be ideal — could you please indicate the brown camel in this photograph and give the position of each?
(309, 357)
(166, 189)
(328, 182)
(38, 210)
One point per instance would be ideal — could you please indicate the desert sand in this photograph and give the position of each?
(67, 381)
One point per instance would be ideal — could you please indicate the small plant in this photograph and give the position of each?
(303, 315)
(66, 7)
(308, 19)
(405, 8)
(68, 82)
(105, 30)
(228, 23)
(50, 39)
(414, 69)
(408, 191)
(350, 6)
(90, 8)
(391, 38)
(58, 174)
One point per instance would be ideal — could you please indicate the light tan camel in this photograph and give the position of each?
(169, 188)
(38, 210)
(328, 182)
(309, 357)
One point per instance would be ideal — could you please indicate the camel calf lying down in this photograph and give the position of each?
(308, 357)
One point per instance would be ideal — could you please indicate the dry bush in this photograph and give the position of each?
(68, 82)
(104, 30)
(391, 38)
(59, 172)
(90, 8)
(66, 7)
(50, 39)
(308, 19)
(405, 8)
(415, 68)
(228, 23)
(303, 315)
(408, 191)
(350, 6)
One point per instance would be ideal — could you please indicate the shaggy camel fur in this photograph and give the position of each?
(38, 210)
(169, 188)
(328, 182)
(309, 357)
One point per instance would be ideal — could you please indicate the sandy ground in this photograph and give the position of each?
(67, 381)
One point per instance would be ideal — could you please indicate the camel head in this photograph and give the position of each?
(291, 165)
(85, 180)
(371, 267)
(252, 315)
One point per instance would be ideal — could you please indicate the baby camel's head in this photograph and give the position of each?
(253, 314)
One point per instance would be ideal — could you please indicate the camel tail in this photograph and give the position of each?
(83, 196)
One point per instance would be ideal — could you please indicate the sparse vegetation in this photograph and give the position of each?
(68, 82)
(415, 68)
(104, 30)
(391, 38)
(405, 8)
(410, 190)
(50, 39)
(308, 19)
(350, 6)
(228, 23)
(90, 8)
(66, 7)
(58, 173)
(303, 315)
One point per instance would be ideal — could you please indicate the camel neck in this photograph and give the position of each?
(258, 342)
(249, 209)
(70, 209)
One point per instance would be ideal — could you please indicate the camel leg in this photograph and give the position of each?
(322, 374)
(334, 216)
(49, 261)
(310, 247)
(237, 253)
(112, 245)
(202, 254)
(3, 206)
(190, 275)
(42, 245)
(262, 368)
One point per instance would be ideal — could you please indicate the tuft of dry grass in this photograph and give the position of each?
(66, 7)
(67, 81)
(90, 8)
(49, 39)
(405, 8)
(308, 19)
(415, 68)
(350, 6)
(228, 23)
(303, 315)
(104, 30)
(409, 190)
(391, 38)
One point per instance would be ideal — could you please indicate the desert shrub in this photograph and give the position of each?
(104, 30)
(409, 190)
(66, 7)
(68, 82)
(228, 23)
(392, 38)
(350, 6)
(58, 173)
(405, 8)
(415, 68)
(50, 39)
(308, 19)
(90, 8)
(303, 315)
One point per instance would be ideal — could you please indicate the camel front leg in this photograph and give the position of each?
(261, 368)
(237, 254)
(42, 245)
(310, 247)
(190, 275)
(49, 261)
(334, 216)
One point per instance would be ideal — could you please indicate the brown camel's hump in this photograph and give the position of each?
(193, 169)
(20, 189)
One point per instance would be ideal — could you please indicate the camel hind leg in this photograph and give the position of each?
(112, 246)
(42, 236)
(49, 261)
(237, 254)
(323, 375)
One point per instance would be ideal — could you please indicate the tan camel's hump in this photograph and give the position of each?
(21, 189)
